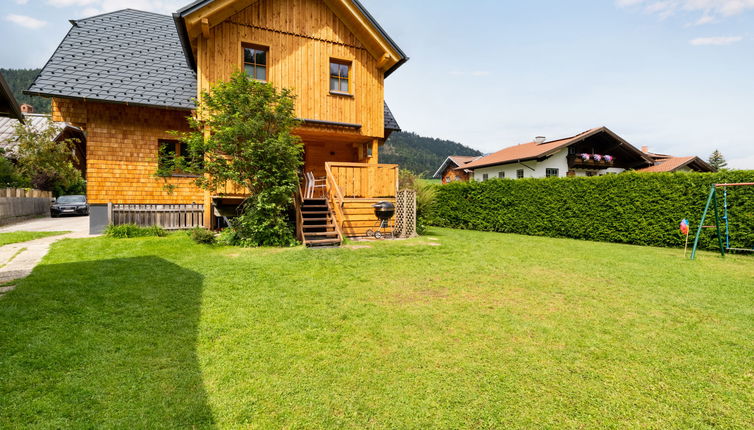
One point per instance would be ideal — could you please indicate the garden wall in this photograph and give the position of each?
(17, 204)
(635, 208)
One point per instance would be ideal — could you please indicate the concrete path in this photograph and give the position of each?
(17, 260)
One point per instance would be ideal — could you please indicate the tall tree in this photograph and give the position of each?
(717, 160)
(243, 134)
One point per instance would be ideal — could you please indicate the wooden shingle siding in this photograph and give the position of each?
(302, 36)
(121, 152)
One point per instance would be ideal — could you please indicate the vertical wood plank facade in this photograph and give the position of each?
(302, 37)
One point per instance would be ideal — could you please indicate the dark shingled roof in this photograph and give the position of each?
(128, 56)
(390, 122)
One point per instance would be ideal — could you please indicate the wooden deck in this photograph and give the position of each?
(353, 188)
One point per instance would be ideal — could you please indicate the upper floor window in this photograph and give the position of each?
(340, 76)
(255, 62)
(552, 173)
(519, 173)
(501, 175)
(485, 177)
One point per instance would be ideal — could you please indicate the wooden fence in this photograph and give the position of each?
(17, 204)
(169, 217)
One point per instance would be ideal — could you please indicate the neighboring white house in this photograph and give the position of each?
(595, 152)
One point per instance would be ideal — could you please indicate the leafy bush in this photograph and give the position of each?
(202, 235)
(229, 237)
(635, 208)
(124, 231)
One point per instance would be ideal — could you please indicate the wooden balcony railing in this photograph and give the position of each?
(363, 181)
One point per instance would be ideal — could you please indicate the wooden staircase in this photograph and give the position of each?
(318, 225)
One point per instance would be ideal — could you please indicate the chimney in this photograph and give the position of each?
(540, 140)
(27, 108)
(645, 149)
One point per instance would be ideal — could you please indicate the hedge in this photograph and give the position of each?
(634, 208)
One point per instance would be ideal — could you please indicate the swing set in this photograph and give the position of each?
(712, 201)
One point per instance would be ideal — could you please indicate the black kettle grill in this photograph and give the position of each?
(384, 211)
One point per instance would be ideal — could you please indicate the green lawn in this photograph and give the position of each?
(471, 330)
(25, 236)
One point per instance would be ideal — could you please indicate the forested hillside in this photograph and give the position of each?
(420, 154)
(19, 80)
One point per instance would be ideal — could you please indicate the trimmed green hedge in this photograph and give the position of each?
(635, 208)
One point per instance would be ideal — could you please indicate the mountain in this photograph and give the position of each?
(18, 81)
(420, 154)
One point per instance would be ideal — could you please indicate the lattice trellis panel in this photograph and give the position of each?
(405, 214)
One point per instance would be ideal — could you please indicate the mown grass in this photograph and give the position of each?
(470, 330)
(25, 236)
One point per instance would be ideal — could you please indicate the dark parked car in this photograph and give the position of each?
(69, 205)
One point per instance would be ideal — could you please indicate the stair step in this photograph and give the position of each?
(316, 219)
(321, 233)
(323, 242)
(319, 226)
(315, 212)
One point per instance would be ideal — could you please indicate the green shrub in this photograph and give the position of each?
(229, 237)
(635, 208)
(202, 235)
(124, 231)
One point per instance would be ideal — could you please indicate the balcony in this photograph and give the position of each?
(577, 161)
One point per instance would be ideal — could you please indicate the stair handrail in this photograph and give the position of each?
(333, 192)
(298, 204)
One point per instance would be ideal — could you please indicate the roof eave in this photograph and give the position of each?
(188, 52)
(117, 102)
(15, 110)
(180, 23)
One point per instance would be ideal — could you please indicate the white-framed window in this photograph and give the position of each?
(501, 175)
(485, 177)
(519, 173)
(552, 173)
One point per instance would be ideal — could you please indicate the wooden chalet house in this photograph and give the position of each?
(129, 77)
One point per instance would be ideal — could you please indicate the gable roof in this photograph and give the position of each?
(224, 8)
(8, 105)
(667, 163)
(533, 150)
(130, 57)
(457, 161)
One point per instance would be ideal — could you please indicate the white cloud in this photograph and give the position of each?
(25, 21)
(22, 1)
(715, 41)
(711, 9)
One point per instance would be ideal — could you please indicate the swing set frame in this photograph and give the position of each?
(712, 201)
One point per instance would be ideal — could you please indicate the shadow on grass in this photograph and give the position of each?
(108, 344)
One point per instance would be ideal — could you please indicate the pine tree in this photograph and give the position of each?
(717, 160)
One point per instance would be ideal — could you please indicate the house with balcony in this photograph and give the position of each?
(594, 152)
(129, 78)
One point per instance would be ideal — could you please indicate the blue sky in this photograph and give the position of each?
(674, 75)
